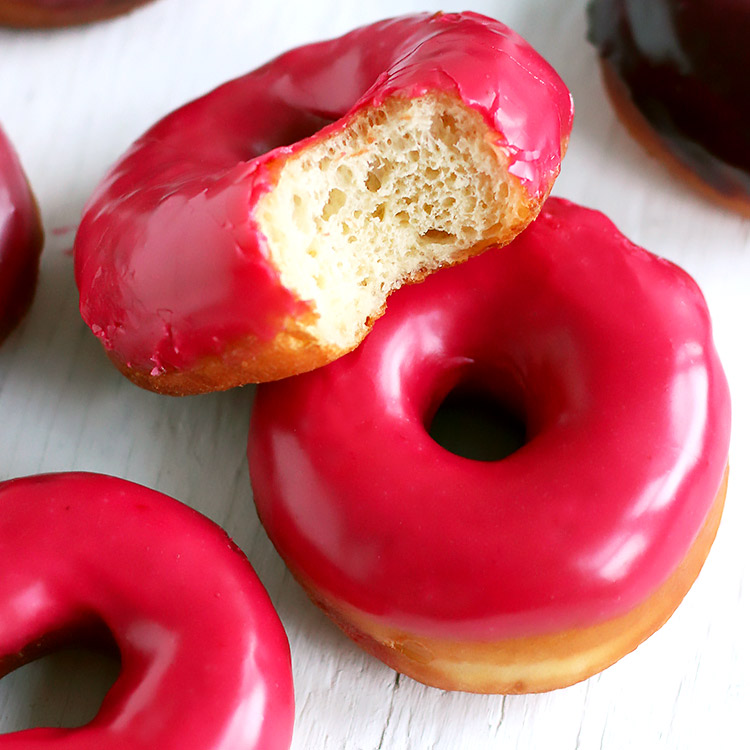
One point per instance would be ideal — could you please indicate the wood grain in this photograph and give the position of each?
(73, 100)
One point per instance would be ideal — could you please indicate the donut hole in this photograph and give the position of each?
(291, 126)
(397, 191)
(63, 687)
(475, 423)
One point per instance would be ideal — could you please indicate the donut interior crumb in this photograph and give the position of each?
(407, 187)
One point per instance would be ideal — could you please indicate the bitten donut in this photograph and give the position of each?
(49, 13)
(535, 571)
(205, 660)
(677, 74)
(256, 232)
(21, 240)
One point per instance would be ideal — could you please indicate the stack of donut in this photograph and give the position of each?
(255, 235)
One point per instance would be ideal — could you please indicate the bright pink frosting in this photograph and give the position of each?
(170, 264)
(20, 239)
(205, 660)
(607, 352)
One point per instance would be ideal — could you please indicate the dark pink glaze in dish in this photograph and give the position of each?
(205, 660)
(170, 264)
(21, 240)
(606, 351)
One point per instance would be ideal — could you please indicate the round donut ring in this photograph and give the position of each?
(21, 240)
(535, 571)
(676, 75)
(205, 660)
(216, 254)
(41, 14)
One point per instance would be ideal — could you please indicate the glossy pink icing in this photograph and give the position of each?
(20, 240)
(170, 264)
(605, 349)
(205, 660)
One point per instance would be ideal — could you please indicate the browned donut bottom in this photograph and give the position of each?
(31, 15)
(523, 665)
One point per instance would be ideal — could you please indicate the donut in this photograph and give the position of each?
(49, 13)
(256, 232)
(205, 660)
(675, 72)
(21, 240)
(538, 570)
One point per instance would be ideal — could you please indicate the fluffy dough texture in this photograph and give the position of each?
(256, 232)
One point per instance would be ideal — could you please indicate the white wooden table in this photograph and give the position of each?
(72, 101)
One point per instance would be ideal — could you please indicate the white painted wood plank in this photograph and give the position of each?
(72, 101)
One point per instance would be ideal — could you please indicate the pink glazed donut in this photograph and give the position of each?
(256, 232)
(205, 660)
(21, 240)
(535, 571)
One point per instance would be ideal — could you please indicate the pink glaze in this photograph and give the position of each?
(205, 661)
(170, 264)
(20, 240)
(607, 352)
